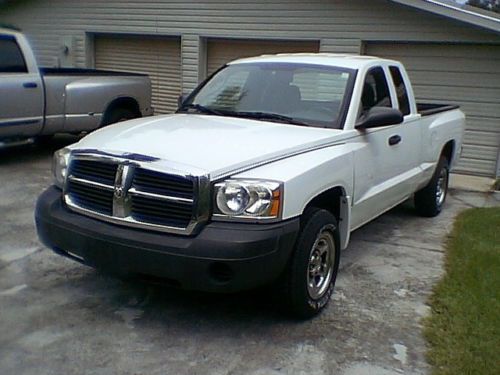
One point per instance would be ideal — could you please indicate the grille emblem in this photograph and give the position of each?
(119, 192)
(121, 200)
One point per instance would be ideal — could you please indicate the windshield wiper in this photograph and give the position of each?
(269, 116)
(253, 115)
(202, 109)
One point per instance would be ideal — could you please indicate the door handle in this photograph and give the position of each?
(30, 85)
(394, 140)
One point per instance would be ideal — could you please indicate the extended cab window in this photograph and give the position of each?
(375, 91)
(12, 60)
(399, 83)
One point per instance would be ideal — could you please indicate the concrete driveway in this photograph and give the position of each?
(58, 317)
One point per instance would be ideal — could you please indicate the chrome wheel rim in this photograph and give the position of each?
(321, 261)
(442, 183)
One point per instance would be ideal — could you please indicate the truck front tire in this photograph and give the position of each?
(311, 273)
(429, 201)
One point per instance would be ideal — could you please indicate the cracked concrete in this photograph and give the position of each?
(58, 317)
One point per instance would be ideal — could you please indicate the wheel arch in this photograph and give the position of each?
(448, 151)
(120, 102)
(338, 202)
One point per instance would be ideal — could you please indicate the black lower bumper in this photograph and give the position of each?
(223, 257)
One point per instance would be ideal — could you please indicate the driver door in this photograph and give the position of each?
(21, 92)
(382, 160)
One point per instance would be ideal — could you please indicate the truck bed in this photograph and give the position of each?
(427, 109)
(84, 72)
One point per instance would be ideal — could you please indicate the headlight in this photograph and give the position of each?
(247, 199)
(60, 166)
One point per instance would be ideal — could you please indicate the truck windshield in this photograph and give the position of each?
(298, 94)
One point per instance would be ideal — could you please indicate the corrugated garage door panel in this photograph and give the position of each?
(159, 58)
(220, 52)
(467, 75)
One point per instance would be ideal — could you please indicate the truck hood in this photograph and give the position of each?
(218, 146)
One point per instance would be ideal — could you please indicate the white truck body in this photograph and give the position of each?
(307, 160)
(353, 170)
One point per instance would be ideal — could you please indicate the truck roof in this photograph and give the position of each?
(329, 59)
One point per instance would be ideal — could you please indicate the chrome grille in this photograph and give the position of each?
(93, 170)
(127, 192)
(90, 197)
(161, 199)
(161, 212)
(159, 183)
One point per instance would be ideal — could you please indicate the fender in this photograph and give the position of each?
(307, 176)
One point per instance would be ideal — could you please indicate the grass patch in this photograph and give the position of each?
(463, 330)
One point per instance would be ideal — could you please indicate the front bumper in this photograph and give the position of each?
(223, 257)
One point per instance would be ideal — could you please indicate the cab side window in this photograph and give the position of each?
(399, 83)
(12, 60)
(375, 91)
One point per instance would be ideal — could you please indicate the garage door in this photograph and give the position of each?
(157, 57)
(467, 75)
(220, 52)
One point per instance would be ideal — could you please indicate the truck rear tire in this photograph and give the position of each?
(429, 201)
(310, 276)
(119, 114)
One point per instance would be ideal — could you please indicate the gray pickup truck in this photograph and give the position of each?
(39, 102)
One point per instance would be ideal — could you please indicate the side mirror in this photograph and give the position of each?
(380, 116)
(181, 99)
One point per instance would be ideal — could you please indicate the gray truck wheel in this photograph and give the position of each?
(312, 270)
(429, 201)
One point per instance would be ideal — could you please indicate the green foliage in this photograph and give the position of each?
(492, 5)
(7, 6)
(463, 330)
(9, 26)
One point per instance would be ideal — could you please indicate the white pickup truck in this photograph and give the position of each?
(36, 103)
(259, 178)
